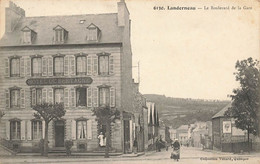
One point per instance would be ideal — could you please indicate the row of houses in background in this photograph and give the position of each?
(220, 134)
(83, 61)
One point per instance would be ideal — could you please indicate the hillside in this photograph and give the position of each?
(178, 111)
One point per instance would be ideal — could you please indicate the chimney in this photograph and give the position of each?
(122, 14)
(13, 14)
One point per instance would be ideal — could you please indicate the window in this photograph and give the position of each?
(15, 67)
(81, 129)
(58, 95)
(81, 97)
(103, 65)
(59, 35)
(104, 96)
(92, 35)
(15, 130)
(27, 36)
(15, 98)
(38, 96)
(36, 130)
(58, 66)
(37, 66)
(81, 65)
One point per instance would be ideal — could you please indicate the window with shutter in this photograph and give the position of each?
(50, 66)
(112, 97)
(95, 65)
(59, 95)
(36, 130)
(66, 65)
(81, 65)
(15, 67)
(7, 98)
(89, 98)
(15, 98)
(72, 97)
(81, 129)
(89, 65)
(111, 64)
(22, 98)
(50, 95)
(103, 65)
(44, 95)
(7, 130)
(44, 66)
(73, 129)
(72, 65)
(29, 130)
(95, 97)
(7, 68)
(22, 130)
(22, 67)
(104, 96)
(15, 130)
(81, 96)
(59, 66)
(66, 97)
(28, 66)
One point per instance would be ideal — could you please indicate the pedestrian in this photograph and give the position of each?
(176, 150)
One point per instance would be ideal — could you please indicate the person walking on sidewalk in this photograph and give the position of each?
(176, 150)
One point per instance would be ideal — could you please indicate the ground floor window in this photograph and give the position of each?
(36, 130)
(15, 130)
(81, 129)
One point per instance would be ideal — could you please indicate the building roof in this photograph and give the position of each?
(77, 32)
(222, 111)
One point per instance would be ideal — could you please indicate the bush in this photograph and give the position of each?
(68, 145)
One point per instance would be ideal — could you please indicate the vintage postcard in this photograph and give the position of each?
(129, 81)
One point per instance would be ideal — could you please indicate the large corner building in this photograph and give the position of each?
(83, 61)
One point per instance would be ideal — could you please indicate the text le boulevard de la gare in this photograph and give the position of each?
(161, 8)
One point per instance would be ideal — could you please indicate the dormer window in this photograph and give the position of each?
(28, 35)
(60, 34)
(93, 32)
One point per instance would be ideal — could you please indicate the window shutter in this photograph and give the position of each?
(111, 64)
(33, 96)
(50, 66)
(22, 130)
(22, 67)
(95, 97)
(7, 67)
(7, 98)
(22, 95)
(44, 66)
(73, 129)
(44, 95)
(89, 97)
(28, 66)
(73, 97)
(89, 65)
(29, 130)
(66, 65)
(43, 129)
(95, 65)
(50, 95)
(89, 129)
(72, 65)
(66, 97)
(7, 130)
(112, 97)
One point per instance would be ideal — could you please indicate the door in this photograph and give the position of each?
(126, 136)
(59, 133)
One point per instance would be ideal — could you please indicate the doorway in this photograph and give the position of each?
(59, 133)
(126, 136)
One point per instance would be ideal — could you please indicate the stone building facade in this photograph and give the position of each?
(83, 61)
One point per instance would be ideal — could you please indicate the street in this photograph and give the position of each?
(188, 155)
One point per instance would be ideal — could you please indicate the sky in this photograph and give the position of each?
(184, 54)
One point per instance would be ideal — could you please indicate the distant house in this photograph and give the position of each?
(182, 134)
(225, 135)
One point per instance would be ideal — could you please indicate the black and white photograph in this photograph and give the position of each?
(129, 81)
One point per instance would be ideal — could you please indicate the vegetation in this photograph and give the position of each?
(245, 99)
(106, 115)
(48, 112)
(179, 111)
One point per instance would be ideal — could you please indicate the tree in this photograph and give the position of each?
(48, 112)
(106, 115)
(245, 99)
